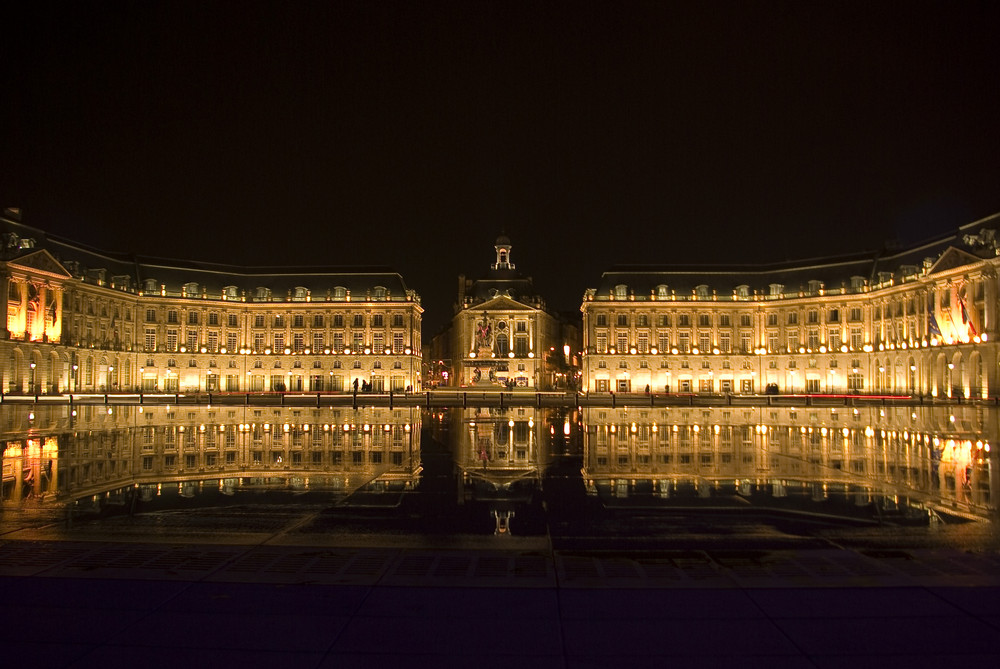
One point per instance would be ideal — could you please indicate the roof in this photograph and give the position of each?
(130, 269)
(972, 242)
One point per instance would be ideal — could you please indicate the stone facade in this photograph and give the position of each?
(86, 321)
(921, 321)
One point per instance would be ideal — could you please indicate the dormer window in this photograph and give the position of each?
(815, 287)
(339, 293)
(701, 292)
(300, 293)
(150, 286)
(621, 291)
(190, 289)
(857, 284)
(776, 289)
(662, 292)
(230, 293)
(743, 291)
(261, 293)
(378, 293)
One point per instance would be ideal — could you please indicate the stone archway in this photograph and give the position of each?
(940, 377)
(959, 376)
(977, 376)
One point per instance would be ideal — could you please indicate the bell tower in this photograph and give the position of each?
(502, 246)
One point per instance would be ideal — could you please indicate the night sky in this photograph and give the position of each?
(411, 134)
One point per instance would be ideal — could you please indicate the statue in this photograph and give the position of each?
(484, 334)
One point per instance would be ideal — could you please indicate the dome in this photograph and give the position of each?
(502, 240)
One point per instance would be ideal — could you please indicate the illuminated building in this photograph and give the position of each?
(80, 319)
(503, 335)
(918, 321)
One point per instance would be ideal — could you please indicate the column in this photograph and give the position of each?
(4, 297)
(40, 315)
(57, 325)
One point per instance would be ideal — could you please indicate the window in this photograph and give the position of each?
(318, 320)
(855, 381)
(171, 340)
(724, 342)
(258, 320)
(684, 320)
(397, 320)
(213, 318)
(621, 291)
(623, 320)
(150, 315)
(745, 321)
(663, 320)
(279, 321)
(602, 320)
(833, 336)
(856, 339)
(378, 321)
(833, 316)
(338, 320)
(793, 318)
(150, 339)
(724, 320)
(642, 320)
(359, 321)
(298, 321)
(855, 314)
(233, 320)
(192, 318)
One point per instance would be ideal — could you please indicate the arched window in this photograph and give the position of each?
(502, 344)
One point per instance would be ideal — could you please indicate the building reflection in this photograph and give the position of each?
(501, 455)
(907, 464)
(110, 455)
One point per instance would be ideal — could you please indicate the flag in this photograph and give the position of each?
(965, 317)
(933, 325)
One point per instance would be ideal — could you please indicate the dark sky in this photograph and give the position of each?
(410, 134)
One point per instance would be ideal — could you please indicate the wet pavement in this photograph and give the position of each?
(541, 538)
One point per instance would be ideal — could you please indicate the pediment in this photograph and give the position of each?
(40, 262)
(503, 303)
(952, 258)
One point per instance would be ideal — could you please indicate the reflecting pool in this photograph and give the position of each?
(591, 477)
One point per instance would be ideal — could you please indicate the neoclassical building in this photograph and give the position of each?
(915, 321)
(504, 335)
(81, 319)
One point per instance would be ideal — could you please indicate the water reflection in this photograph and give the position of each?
(501, 455)
(503, 471)
(904, 464)
(111, 456)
